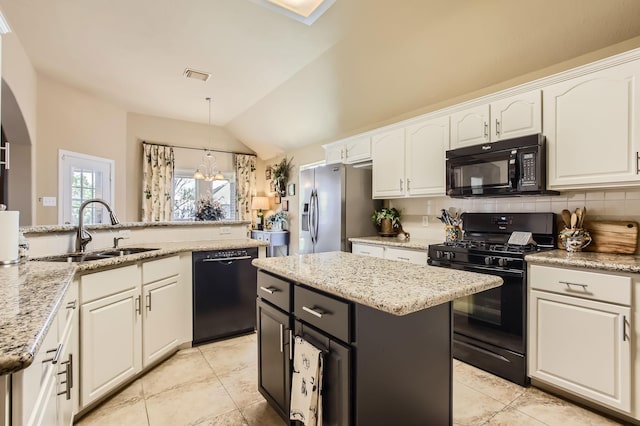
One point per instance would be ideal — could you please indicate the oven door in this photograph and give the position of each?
(481, 174)
(495, 316)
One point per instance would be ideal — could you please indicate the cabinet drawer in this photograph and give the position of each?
(275, 290)
(589, 285)
(367, 250)
(328, 314)
(102, 284)
(402, 255)
(156, 270)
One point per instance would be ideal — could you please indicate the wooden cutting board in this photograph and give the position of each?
(610, 236)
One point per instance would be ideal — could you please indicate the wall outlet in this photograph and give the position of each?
(425, 220)
(49, 201)
(225, 230)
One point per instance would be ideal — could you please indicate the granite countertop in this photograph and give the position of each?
(394, 287)
(591, 260)
(31, 292)
(412, 243)
(30, 295)
(38, 229)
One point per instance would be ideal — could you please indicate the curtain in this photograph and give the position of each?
(245, 184)
(157, 183)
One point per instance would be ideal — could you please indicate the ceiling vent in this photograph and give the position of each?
(198, 75)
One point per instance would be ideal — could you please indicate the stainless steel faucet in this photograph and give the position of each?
(83, 237)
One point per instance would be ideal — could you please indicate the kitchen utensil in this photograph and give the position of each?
(566, 218)
(579, 215)
(584, 215)
(574, 220)
(611, 236)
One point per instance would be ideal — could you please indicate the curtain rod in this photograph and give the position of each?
(199, 149)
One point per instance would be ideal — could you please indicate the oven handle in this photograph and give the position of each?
(492, 271)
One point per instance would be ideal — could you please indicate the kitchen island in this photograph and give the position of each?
(384, 327)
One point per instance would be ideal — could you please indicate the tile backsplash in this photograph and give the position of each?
(616, 204)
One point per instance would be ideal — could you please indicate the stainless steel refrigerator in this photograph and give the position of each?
(335, 205)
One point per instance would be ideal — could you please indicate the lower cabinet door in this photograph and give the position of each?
(111, 343)
(162, 319)
(581, 346)
(274, 363)
(336, 376)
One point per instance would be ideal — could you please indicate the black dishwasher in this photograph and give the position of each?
(224, 294)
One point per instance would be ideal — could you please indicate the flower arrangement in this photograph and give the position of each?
(386, 213)
(281, 175)
(209, 209)
(278, 219)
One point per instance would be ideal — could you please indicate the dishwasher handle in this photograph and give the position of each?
(226, 259)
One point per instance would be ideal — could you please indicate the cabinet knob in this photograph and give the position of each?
(486, 130)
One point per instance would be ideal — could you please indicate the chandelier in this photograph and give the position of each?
(208, 165)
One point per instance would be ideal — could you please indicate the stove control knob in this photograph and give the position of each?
(448, 255)
(488, 260)
(438, 254)
(502, 261)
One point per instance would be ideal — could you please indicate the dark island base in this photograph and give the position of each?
(403, 367)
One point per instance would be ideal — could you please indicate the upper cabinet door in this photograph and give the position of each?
(470, 127)
(592, 125)
(334, 153)
(388, 164)
(357, 149)
(425, 147)
(516, 116)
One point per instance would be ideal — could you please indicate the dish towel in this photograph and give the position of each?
(306, 383)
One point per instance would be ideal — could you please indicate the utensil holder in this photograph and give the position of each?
(575, 239)
(452, 233)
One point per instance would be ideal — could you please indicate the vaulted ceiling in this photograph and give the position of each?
(278, 84)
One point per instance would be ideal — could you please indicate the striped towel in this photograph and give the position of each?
(306, 384)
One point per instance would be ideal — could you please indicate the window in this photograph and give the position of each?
(82, 177)
(187, 191)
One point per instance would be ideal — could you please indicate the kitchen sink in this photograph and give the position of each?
(88, 257)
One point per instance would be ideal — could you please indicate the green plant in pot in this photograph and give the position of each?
(388, 219)
(281, 175)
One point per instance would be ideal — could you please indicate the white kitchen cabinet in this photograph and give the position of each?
(410, 161)
(162, 316)
(425, 147)
(580, 333)
(392, 253)
(130, 318)
(511, 117)
(388, 164)
(592, 126)
(44, 393)
(353, 150)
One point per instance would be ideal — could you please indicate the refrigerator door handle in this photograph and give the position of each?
(315, 215)
(310, 217)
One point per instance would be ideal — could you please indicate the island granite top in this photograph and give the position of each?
(31, 292)
(591, 260)
(390, 286)
(411, 243)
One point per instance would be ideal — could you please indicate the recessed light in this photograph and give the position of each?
(4, 25)
(198, 75)
(301, 7)
(305, 11)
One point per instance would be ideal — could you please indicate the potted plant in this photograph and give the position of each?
(388, 219)
(278, 220)
(281, 176)
(209, 209)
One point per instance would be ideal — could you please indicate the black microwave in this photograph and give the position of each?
(505, 168)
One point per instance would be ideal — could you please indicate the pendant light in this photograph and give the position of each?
(208, 164)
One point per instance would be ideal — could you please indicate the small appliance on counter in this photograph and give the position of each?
(490, 327)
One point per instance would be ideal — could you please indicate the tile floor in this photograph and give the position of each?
(215, 384)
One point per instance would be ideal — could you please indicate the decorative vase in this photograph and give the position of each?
(452, 233)
(386, 227)
(575, 239)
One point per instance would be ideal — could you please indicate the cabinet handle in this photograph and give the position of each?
(281, 338)
(569, 284)
(365, 252)
(403, 258)
(312, 311)
(342, 154)
(408, 183)
(637, 163)
(148, 297)
(56, 356)
(72, 304)
(486, 130)
(290, 344)
(497, 127)
(7, 156)
(400, 184)
(269, 290)
(138, 311)
(624, 328)
(68, 382)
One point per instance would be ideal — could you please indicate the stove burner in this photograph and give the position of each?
(487, 246)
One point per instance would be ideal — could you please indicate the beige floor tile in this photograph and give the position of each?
(556, 411)
(129, 395)
(184, 367)
(190, 404)
(242, 386)
(471, 407)
(490, 385)
(261, 414)
(224, 343)
(233, 418)
(134, 414)
(510, 417)
(236, 357)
